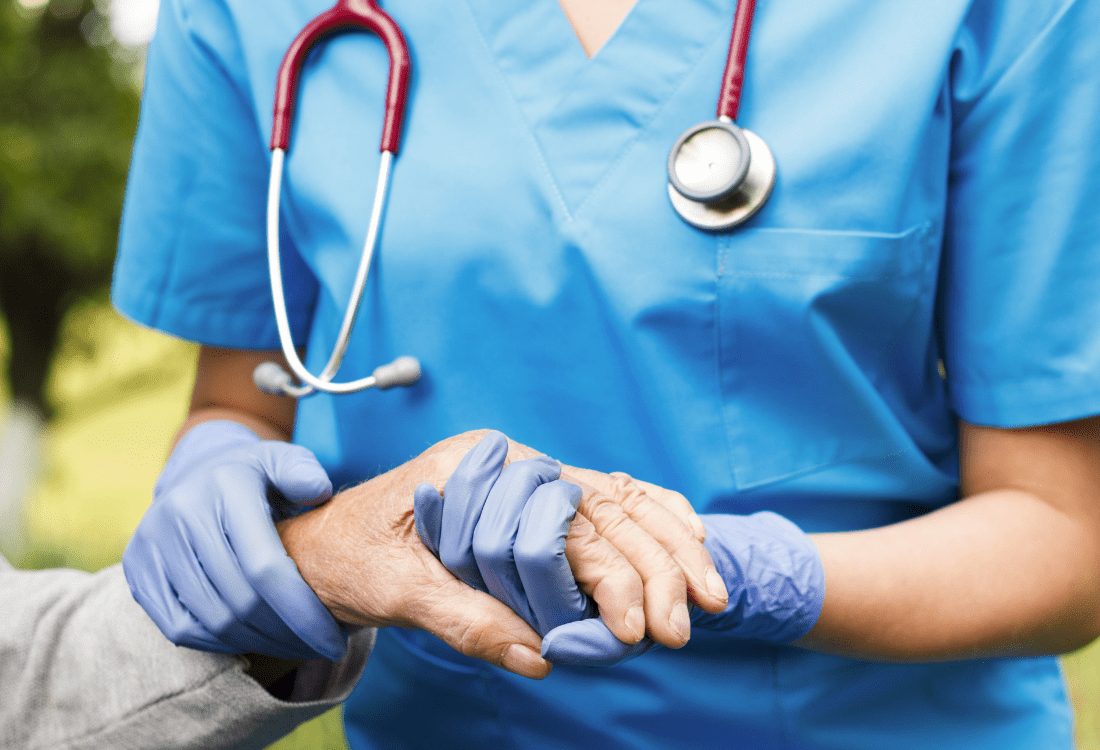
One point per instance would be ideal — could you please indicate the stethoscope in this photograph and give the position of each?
(719, 175)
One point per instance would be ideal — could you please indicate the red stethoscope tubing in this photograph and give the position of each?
(729, 100)
(346, 15)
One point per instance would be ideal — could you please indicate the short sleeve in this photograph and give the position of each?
(1020, 306)
(192, 249)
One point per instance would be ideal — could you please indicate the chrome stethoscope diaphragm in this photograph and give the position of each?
(720, 174)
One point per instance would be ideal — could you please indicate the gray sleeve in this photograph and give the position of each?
(82, 666)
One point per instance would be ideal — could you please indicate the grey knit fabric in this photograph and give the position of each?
(82, 666)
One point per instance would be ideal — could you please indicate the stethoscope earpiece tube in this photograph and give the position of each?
(346, 14)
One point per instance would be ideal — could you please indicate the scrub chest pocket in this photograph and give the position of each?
(825, 343)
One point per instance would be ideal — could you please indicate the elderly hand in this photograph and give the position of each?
(512, 532)
(360, 553)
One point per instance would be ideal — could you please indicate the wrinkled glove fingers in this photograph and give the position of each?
(608, 578)
(295, 472)
(666, 613)
(164, 608)
(464, 496)
(216, 591)
(428, 515)
(497, 529)
(272, 583)
(589, 643)
(705, 586)
(206, 602)
(540, 559)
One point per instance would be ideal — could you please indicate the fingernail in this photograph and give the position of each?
(680, 622)
(635, 621)
(716, 587)
(522, 660)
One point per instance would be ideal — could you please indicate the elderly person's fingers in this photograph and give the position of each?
(651, 517)
(669, 518)
(705, 585)
(362, 557)
(673, 501)
(665, 605)
(604, 574)
(676, 503)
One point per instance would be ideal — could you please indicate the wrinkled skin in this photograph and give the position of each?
(361, 554)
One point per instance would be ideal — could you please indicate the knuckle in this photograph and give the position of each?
(603, 512)
(265, 571)
(174, 631)
(492, 551)
(454, 560)
(217, 618)
(626, 492)
(248, 605)
(536, 555)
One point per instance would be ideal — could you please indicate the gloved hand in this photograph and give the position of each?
(206, 563)
(503, 531)
(774, 576)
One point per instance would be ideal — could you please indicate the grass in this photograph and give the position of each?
(121, 392)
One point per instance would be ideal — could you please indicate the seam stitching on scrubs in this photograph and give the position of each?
(723, 242)
(170, 266)
(209, 56)
(810, 469)
(629, 146)
(173, 257)
(919, 234)
(923, 238)
(1039, 38)
(519, 112)
(865, 279)
(784, 732)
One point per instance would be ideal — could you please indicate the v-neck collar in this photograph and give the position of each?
(585, 113)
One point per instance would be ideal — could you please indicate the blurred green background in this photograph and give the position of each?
(88, 402)
(119, 392)
(96, 399)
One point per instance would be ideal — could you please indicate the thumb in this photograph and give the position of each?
(475, 624)
(295, 472)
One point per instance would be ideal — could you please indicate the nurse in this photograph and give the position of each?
(898, 354)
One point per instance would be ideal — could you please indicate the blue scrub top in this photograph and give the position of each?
(936, 202)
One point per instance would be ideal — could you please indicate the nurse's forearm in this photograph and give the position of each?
(1012, 570)
(224, 390)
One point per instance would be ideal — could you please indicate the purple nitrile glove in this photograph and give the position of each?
(206, 562)
(774, 576)
(502, 530)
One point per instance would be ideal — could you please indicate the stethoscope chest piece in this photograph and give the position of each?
(719, 175)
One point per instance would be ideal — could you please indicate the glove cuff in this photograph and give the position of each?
(199, 443)
(774, 575)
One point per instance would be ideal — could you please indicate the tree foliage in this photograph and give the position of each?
(67, 121)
